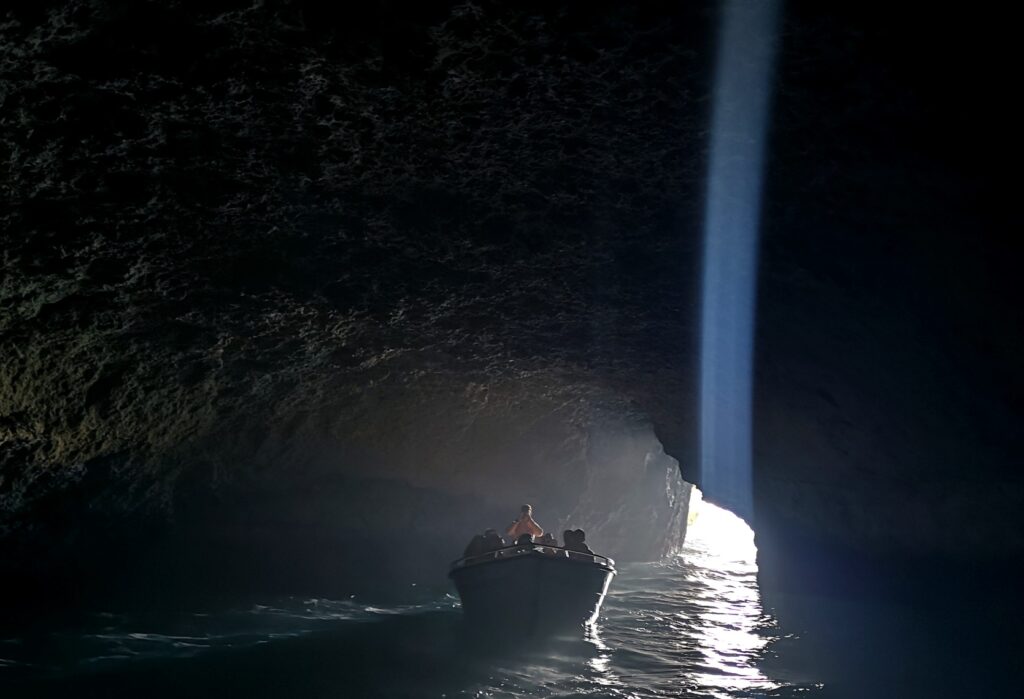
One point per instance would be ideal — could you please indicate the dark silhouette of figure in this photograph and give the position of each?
(525, 540)
(581, 541)
(549, 540)
(493, 542)
(575, 540)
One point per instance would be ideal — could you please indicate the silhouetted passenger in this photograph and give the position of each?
(549, 540)
(524, 524)
(492, 541)
(568, 537)
(575, 540)
(475, 547)
(581, 541)
(525, 540)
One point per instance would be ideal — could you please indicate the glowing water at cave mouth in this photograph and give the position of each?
(731, 629)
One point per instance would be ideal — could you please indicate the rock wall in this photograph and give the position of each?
(331, 488)
(279, 276)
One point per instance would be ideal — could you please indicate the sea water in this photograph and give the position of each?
(689, 626)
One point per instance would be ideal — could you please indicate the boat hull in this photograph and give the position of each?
(531, 593)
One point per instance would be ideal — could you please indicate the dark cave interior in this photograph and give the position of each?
(285, 281)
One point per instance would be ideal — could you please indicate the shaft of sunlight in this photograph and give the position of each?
(743, 76)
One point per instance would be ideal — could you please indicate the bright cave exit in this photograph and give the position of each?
(718, 533)
(691, 624)
(720, 604)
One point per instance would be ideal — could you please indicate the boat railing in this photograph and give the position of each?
(512, 550)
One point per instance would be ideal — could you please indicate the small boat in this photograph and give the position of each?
(532, 589)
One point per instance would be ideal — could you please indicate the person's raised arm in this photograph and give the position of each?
(535, 528)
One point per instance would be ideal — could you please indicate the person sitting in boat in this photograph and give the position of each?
(524, 524)
(524, 543)
(493, 541)
(581, 542)
(549, 540)
(576, 540)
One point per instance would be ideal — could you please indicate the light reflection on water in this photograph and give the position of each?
(731, 623)
(692, 626)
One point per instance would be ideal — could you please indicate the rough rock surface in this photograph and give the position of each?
(277, 273)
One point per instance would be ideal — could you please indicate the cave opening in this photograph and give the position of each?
(707, 602)
(720, 533)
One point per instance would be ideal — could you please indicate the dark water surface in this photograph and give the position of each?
(692, 626)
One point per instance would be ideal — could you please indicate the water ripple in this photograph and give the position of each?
(692, 626)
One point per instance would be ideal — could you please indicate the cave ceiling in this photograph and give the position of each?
(219, 215)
